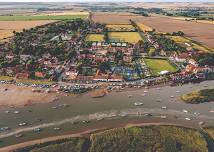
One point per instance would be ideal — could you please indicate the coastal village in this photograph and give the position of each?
(81, 55)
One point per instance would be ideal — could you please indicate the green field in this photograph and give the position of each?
(120, 27)
(158, 65)
(131, 37)
(42, 17)
(95, 37)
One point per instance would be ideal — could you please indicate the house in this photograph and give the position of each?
(23, 75)
(40, 74)
(115, 79)
(102, 78)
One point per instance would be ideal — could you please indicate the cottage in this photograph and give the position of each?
(40, 74)
(23, 75)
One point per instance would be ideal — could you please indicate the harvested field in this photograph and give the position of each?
(17, 25)
(4, 34)
(95, 37)
(185, 42)
(120, 27)
(144, 27)
(199, 32)
(113, 18)
(131, 37)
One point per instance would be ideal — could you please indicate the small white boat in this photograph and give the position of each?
(171, 96)
(185, 111)
(164, 107)
(177, 91)
(37, 129)
(188, 119)
(201, 123)
(99, 119)
(23, 124)
(145, 91)
(163, 117)
(18, 135)
(57, 129)
(138, 103)
(85, 121)
(16, 112)
(212, 110)
(143, 94)
(7, 111)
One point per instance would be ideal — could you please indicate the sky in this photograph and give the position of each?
(106, 0)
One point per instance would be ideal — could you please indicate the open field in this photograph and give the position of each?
(185, 42)
(5, 34)
(199, 32)
(158, 65)
(131, 37)
(120, 27)
(41, 17)
(95, 37)
(144, 27)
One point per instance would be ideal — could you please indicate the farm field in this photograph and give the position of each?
(131, 37)
(200, 32)
(144, 27)
(120, 27)
(41, 17)
(4, 34)
(95, 37)
(187, 41)
(158, 65)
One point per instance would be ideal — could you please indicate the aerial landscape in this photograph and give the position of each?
(107, 76)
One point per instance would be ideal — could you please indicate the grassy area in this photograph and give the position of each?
(148, 139)
(201, 96)
(34, 81)
(210, 131)
(120, 27)
(144, 27)
(6, 78)
(41, 17)
(66, 145)
(131, 37)
(95, 37)
(158, 65)
(186, 41)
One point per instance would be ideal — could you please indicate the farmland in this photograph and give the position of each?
(5, 34)
(95, 37)
(186, 41)
(144, 27)
(131, 37)
(200, 32)
(41, 17)
(158, 65)
(120, 27)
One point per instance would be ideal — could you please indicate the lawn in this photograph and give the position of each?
(120, 27)
(158, 65)
(95, 37)
(131, 37)
(186, 41)
(41, 17)
(144, 27)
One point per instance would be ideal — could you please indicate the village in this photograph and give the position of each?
(81, 55)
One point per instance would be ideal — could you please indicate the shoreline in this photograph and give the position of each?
(85, 133)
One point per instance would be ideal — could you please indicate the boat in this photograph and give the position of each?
(23, 124)
(163, 117)
(18, 135)
(145, 91)
(188, 119)
(201, 123)
(16, 112)
(85, 121)
(185, 111)
(158, 100)
(138, 103)
(171, 96)
(57, 129)
(129, 96)
(212, 110)
(99, 119)
(177, 91)
(37, 129)
(143, 94)
(164, 107)
(7, 111)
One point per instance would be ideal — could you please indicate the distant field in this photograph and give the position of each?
(41, 17)
(120, 27)
(144, 27)
(131, 37)
(183, 40)
(95, 37)
(4, 34)
(158, 65)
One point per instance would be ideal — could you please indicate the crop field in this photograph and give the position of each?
(120, 27)
(186, 41)
(131, 37)
(144, 27)
(200, 32)
(95, 37)
(4, 34)
(41, 17)
(158, 65)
